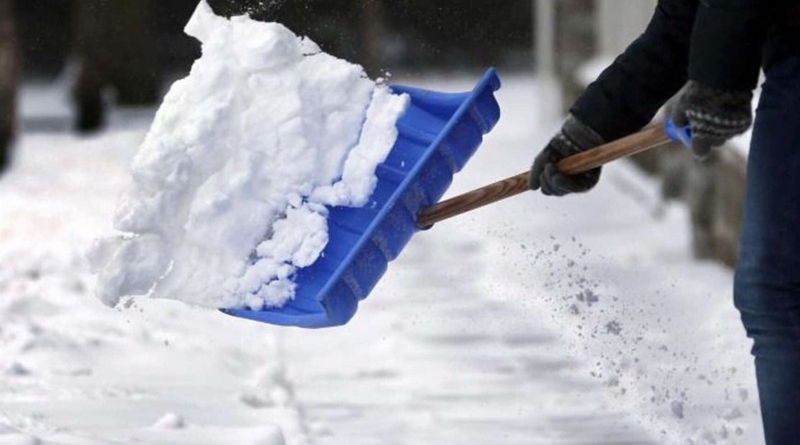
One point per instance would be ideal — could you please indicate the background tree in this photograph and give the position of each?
(128, 46)
(9, 69)
(405, 34)
(117, 48)
(372, 38)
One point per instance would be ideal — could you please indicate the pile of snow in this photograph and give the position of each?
(230, 186)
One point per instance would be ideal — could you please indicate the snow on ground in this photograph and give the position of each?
(534, 321)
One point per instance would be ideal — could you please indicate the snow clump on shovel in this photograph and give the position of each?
(230, 187)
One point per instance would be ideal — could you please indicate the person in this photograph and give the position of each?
(714, 50)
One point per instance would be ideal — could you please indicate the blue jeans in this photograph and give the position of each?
(767, 288)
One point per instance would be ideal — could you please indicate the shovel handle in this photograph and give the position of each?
(651, 137)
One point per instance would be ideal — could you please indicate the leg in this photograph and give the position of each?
(767, 289)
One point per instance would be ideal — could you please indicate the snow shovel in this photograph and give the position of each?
(438, 134)
(649, 138)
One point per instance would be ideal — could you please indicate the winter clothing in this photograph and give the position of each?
(718, 43)
(573, 138)
(767, 286)
(715, 115)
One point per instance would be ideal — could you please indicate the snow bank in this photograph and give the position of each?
(230, 186)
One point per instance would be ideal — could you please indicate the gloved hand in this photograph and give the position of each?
(715, 115)
(574, 137)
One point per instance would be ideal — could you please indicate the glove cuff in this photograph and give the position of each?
(580, 135)
(715, 113)
(712, 95)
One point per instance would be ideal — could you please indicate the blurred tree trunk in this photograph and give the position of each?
(373, 35)
(9, 77)
(116, 47)
(575, 44)
(703, 188)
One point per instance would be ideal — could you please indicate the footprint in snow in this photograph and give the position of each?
(170, 421)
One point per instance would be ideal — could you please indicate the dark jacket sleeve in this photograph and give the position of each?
(728, 41)
(628, 94)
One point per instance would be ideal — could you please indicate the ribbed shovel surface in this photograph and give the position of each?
(438, 134)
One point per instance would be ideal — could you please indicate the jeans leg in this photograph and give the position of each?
(767, 288)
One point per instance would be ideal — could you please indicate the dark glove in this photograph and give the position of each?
(715, 115)
(574, 137)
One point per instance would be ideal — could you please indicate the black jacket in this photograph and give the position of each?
(715, 42)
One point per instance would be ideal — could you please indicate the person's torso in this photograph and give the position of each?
(783, 33)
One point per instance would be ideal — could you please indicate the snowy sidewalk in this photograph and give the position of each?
(582, 320)
(153, 372)
(535, 321)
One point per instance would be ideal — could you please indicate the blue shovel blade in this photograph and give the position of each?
(438, 134)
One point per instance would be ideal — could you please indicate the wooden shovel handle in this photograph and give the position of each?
(650, 137)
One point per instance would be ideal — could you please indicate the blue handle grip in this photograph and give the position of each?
(679, 134)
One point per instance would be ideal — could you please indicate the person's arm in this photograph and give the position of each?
(728, 41)
(628, 94)
(623, 99)
(715, 44)
(724, 64)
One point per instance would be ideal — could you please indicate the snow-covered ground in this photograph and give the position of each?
(534, 321)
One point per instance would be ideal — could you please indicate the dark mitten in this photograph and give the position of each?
(714, 114)
(574, 137)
